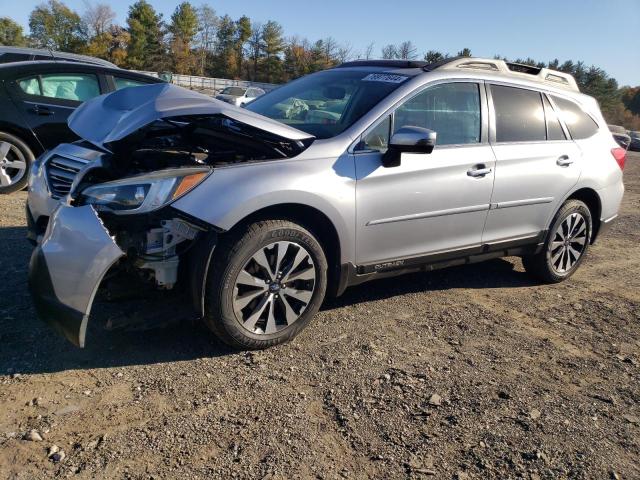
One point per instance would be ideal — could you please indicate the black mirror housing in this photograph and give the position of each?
(408, 139)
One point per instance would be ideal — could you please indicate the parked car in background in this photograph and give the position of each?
(367, 170)
(620, 135)
(239, 96)
(35, 100)
(635, 141)
(23, 54)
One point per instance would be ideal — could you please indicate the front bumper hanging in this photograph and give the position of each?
(66, 269)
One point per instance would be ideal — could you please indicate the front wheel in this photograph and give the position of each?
(15, 160)
(566, 244)
(266, 283)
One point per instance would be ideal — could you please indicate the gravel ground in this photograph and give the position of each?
(470, 372)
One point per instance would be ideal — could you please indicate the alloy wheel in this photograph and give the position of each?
(274, 287)
(13, 164)
(568, 243)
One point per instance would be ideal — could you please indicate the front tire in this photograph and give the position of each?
(15, 160)
(566, 244)
(266, 282)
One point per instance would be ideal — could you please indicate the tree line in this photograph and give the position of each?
(198, 41)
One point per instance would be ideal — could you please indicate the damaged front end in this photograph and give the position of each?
(116, 228)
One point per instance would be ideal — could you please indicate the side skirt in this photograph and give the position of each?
(354, 275)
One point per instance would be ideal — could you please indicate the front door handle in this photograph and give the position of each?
(479, 171)
(42, 111)
(564, 161)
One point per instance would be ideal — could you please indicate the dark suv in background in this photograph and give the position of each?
(23, 54)
(36, 97)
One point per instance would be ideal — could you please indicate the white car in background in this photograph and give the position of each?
(239, 96)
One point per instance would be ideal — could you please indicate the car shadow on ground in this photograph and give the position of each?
(27, 346)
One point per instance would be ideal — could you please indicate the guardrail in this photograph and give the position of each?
(208, 83)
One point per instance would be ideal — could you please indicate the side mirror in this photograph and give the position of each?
(411, 140)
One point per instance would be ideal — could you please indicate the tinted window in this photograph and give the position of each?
(580, 124)
(127, 82)
(519, 114)
(326, 103)
(69, 86)
(554, 129)
(452, 110)
(14, 57)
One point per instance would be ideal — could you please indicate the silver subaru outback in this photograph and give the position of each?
(366, 170)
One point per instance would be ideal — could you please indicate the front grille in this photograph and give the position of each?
(61, 171)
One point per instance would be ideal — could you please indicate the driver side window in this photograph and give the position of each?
(452, 110)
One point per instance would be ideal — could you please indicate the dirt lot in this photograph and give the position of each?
(471, 372)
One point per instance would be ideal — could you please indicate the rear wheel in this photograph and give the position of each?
(566, 244)
(266, 283)
(15, 160)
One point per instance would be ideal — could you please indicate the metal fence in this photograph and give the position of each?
(207, 83)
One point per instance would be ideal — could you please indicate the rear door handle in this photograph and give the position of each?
(479, 171)
(42, 111)
(564, 161)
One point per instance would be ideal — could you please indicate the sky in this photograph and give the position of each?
(605, 33)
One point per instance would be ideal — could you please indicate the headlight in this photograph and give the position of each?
(143, 193)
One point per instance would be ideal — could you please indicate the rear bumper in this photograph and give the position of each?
(67, 267)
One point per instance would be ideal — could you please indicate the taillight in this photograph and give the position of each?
(620, 154)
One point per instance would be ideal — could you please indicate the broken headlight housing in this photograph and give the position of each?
(142, 193)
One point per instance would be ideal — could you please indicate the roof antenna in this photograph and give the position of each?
(51, 53)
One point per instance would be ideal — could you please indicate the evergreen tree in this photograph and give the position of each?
(146, 30)
(183, 29)
(273, 45)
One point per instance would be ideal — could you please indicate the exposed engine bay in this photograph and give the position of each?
(154, 242)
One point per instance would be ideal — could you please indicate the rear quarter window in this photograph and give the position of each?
(579, 123)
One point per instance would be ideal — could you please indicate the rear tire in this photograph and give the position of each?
(566, 244)
(15, 161)
(266, 282)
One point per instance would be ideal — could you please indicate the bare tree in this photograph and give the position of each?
(330, 49)
(344, 53)
(368, 51)
(255, 48)
(98, 18)
(407, 51)
(207, 25)
(389, 52)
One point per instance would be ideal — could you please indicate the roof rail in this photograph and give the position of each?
(384, 63)
(545, 75)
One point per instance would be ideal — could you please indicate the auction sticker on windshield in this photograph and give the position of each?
(384, 77)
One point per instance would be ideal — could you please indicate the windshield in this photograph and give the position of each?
(237, 91)
(325, 104)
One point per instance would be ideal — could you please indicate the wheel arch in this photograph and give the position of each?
(592, 200)
(25, 135)
(314, 220)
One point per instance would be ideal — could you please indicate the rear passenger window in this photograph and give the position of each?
(70, 86)
(579, 123)
(519, 114)
(452, 110)
(554, 129)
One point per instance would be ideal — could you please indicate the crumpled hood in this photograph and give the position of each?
(112, 117)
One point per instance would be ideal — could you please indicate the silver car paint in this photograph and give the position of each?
(77, 251)
(113, 117)
(522, 211)
(428, 204)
